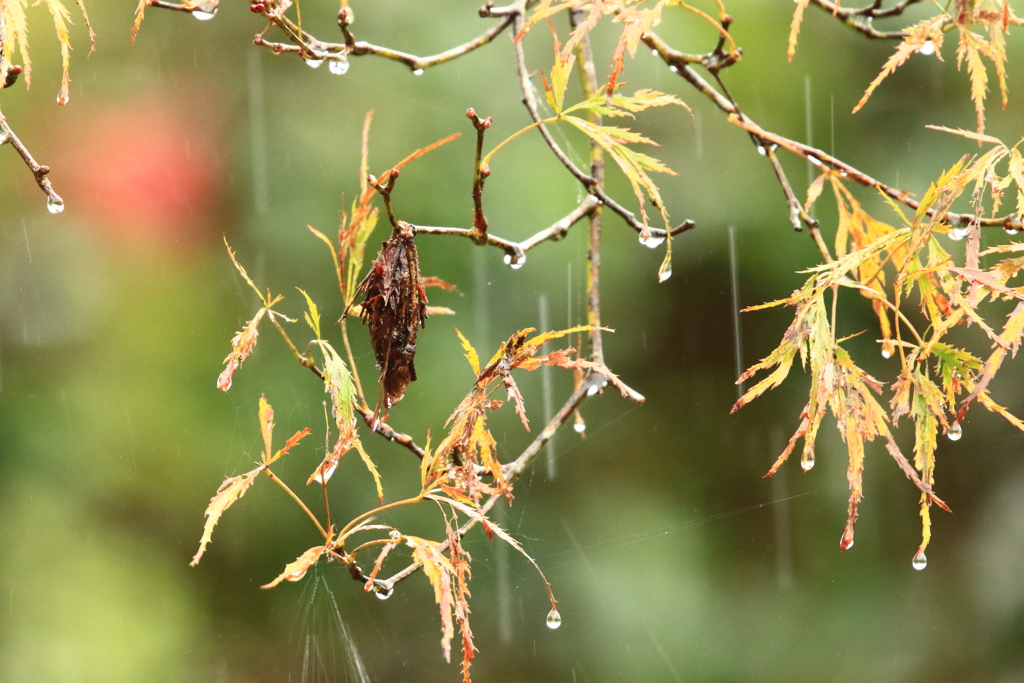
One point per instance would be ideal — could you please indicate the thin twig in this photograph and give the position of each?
(7, 135)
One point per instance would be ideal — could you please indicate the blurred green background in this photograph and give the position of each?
(672, 558)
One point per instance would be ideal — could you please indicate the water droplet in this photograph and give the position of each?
(54, 204)
(1009, 231)
(920, 561)
(886, 353)
(384, 593)
(580, 427)
(955, 432)
(554, 619)
(654, 52)
(339, 66)
(63, 99)
(515, 262)
(417, 72)
(650, 241)
(761, 150)
(4, 137)
(846, 542)
(665, 272)
(794, 217)
(807, 462)
(674, 69)
(314, 63)
(593, 389)
(205, 12)
(814, 160)
(928, 48)
(957, 234)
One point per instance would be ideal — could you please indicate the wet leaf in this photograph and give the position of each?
(394, 309)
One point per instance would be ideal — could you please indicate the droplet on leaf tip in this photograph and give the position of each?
(928, 48)
(807, 463)
(1009, 231)
(920, 561)
(314, 63)
(417, 72)
(886, 353)
(384, 594)
(957, 234)
(554, 619)
(955, 432)
(580, 427)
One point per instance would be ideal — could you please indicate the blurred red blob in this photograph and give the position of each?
(146, 171)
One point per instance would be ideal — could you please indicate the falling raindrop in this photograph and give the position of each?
(384, 593)
(54, 204)
(515, 262)
(955, 432)
(554, 619)
(928, 48)
(417, 72)
(650, 241)
(807, 462)
(339, 66)
(314, 63)
(920, 561)
(957, 234)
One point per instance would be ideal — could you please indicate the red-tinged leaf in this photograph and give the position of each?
(297, 569)
(231, 490)
(245, 276)
(917, 36)
(434, 281)
(242, 345)
(438, 570)
(266, 414)
(294, 571)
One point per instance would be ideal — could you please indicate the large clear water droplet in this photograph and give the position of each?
(515, 262)
(920, 561)
(554, 619)
(928, 48)
(54, 204)
(417, 72)
(650, 241)
(1009, 231)
(957, 234)
(955, 432)
(665, 272)
(205, 12)
(384, 594)
(580, 427)
(339, 66)
(886, 353)
(807, 462)
(314, 63)
(63, 99)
